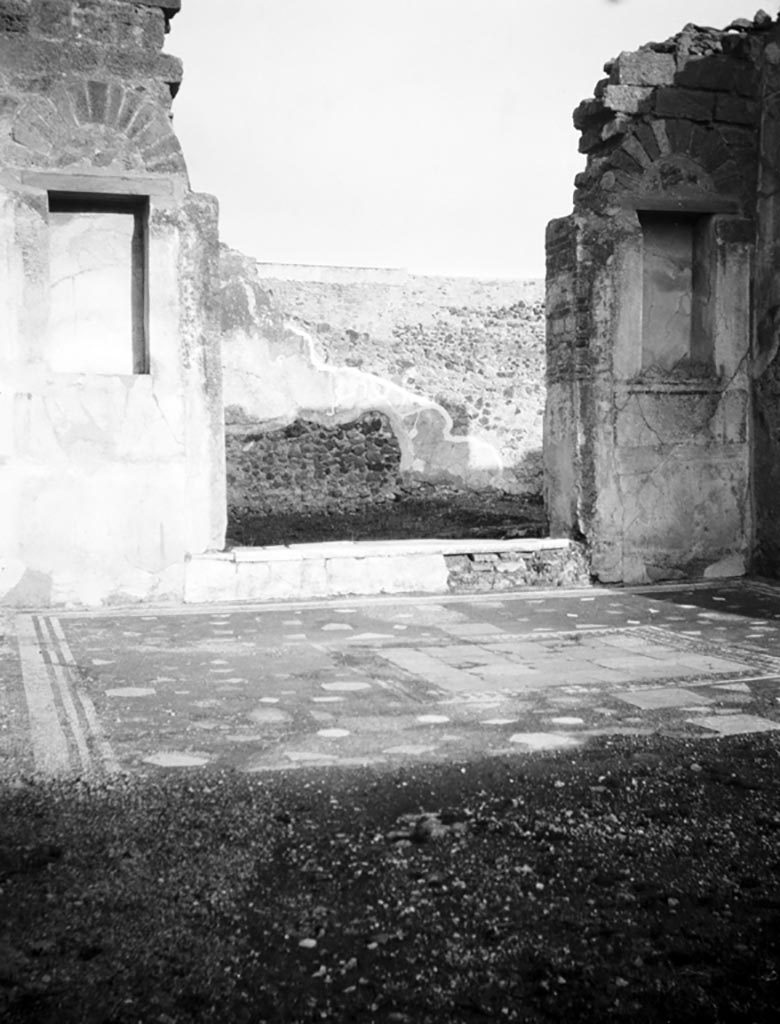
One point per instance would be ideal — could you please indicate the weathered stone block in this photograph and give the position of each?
(134, 65)
(98, 98)
(93, 23)
(130, 106)
(14, 15)
(619, 125)
(648, 140)
(36, 64)
(589, 112)
(31, 136)
(114, 102)
(735, 110)
(660, 131)
(623, 161)
(627, 99)
(644, 68)
(728, 178)
(718, 73)
(636, 150)
(590, 140)
(169, 6)
(164, 156)
(142, 120)
(136, 28)
(680, 135)
(709, 148)
(684, 103)
(153, 31)
(741, 140)
(513, 566)
(8, 106)
(53, 19)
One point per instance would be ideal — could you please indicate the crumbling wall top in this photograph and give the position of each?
(31, 15)
(675, 122)
(85, 86)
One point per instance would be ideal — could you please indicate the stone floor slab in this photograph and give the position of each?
(175, 759)
(543, 740)
(130, 692)
(707, 665)
(735, 725)
(421, 663)
(662, 697)
(464, 629)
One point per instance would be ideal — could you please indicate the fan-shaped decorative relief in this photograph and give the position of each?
(87, 125)
(681, 158)
(677, 172)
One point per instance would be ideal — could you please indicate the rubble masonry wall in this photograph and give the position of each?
(668, 462)
(453, 366)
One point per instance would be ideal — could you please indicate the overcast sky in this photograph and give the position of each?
(429, 134)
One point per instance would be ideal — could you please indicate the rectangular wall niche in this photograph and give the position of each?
(98, 279)
(676, 277)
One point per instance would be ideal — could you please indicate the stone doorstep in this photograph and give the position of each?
(390, 548)
(341, 568)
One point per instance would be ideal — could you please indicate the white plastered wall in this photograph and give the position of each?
(102, 498)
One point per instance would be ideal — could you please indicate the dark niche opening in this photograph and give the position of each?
(98, 267)
(677, 333)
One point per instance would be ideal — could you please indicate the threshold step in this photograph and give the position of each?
(343, 568)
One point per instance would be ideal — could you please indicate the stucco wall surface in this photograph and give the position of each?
(473, 347)
(453, 367)
(109, 478)
(654, 284)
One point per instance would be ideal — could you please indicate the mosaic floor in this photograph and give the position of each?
(384, 681)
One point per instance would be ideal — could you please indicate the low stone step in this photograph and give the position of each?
(342, 568)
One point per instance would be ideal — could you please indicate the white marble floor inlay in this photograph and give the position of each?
(174, 759)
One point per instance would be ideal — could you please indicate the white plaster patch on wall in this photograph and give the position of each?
(91, 308)
(276, 375)
(11, 572)
(473, 346)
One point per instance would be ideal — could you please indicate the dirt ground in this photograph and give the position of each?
(414, 514)
(634, 879)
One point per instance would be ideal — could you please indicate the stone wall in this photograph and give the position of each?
(309, 467)
(766, 315)
(453, 368)
(499, 571)
(648, 422)
(111, 463)
(473, 347)
(86, 86)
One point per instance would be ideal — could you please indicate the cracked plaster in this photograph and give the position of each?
(649, 447)
(110, 480)
(275, 373)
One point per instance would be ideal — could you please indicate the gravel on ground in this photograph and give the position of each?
(424, 511)
(636, 879)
